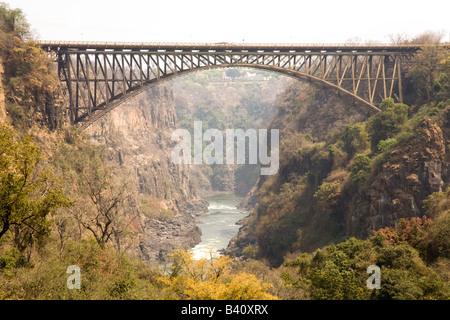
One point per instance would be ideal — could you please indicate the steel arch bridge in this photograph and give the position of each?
(100, 76)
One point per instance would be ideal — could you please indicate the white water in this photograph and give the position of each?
(218, 226)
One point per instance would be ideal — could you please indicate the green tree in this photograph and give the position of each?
(328, 193)
(13, 21)
(334, 282)
(441, 87)
(405, 276)
(437, 241)
(27, 194)
(360, 168)
(387, 123)
(354, 138)
(437, 202)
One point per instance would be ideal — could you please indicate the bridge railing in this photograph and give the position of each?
(193, 46)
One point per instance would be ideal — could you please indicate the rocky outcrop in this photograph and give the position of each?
(412, 172)
(137, 137)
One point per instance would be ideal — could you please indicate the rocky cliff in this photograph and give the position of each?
(411, 173)
(137, 136)
(316, 111)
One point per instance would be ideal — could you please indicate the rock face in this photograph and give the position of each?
(137, 136)
(412, 172)
(316, 111)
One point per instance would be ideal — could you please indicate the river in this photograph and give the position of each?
(218, 225)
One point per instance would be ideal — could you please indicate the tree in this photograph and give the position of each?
(101, 199)
(407, 231)
(13, 21)
(427, 68)
(27, 194)
(354, 138)
(328, 193)
(211, 280)
(437, 202)
(32, 87)
(360, 168)
(387, 123)
(427, 38)
(441, 87)
(340, 271)
(104, 216)
(335, 282)
(335, 272)
(436, 243)
(405, 276)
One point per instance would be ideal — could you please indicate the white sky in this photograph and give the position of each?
(260, 21)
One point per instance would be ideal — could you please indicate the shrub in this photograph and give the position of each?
(354, 139)
(327, 193)
(387, 123)
(386, 145)
(360, 168)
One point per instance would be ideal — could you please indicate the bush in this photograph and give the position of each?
(387, 123)
(250, 251)
(436, 243)
(386, 145)
(340, 271)
(354, 139)
(9, 261)
(327, 193)
(360, 168)
(437, 202)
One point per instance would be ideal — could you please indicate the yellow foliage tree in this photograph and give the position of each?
(212, 279)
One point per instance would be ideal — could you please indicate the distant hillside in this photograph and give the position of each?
(226, 104)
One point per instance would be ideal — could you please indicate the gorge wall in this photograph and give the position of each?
(287, 215)
(136, 136)
(412, 172)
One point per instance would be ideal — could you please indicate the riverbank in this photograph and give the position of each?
(181, 231)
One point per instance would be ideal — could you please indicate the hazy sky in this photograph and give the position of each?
(269, 21)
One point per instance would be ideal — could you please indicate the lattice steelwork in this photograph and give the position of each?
(99, 76)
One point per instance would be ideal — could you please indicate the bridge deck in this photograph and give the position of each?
(237, 47)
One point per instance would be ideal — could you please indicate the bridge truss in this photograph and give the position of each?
(100, 76)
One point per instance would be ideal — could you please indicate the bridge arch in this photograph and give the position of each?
(120, 99)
